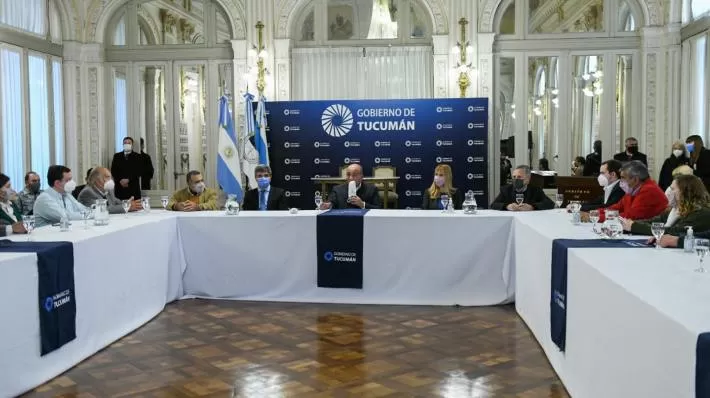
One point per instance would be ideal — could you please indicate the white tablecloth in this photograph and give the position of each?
(121, 282)
(409, 257)
(633, 315)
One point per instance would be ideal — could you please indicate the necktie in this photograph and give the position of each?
(262, 200)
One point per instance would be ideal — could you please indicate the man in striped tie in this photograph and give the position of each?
(265, 197)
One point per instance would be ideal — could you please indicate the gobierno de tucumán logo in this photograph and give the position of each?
(337, 120)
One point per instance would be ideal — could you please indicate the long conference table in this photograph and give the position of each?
(633, 320)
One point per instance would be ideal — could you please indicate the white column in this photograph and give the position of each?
(282, 69)
(485, 89)
(442, 69)
(652, 64)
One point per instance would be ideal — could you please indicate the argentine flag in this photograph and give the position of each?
(260, 134)
(251, 156)
(229, 171)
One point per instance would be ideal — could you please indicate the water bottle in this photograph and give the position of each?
(64, 223)
(450, 206)
(688, 240)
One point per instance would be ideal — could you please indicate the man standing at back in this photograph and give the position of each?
(126, 169)
(631, 153)
(364, 197)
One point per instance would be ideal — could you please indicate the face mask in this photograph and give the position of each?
(127, 147)
(625, 187)
(632, 149)
(602, 180)
(69, 186)
(518, 184)
(198, 188)
(109, 185)
(34, 187)
(439, 181)
(670, 195)
(263, 182)
(690, 147)
(677, 152)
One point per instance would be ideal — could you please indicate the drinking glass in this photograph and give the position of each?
(702, 246)
(29, 223)
(519, 198)
(145, 203)
(559, 199)
(444, 202)
(319, 200)
(164, 201)
(594, 218)
(126, 205)
(657, 229)
(86, 214)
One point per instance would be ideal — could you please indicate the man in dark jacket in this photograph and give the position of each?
(631, 153)
(126, 170)
(365, 197)
(593, 161)
(609, 174)
(533, 198)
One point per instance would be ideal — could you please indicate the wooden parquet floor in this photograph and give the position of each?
(214, 348)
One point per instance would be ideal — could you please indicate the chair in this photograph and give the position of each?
(343, 171)
(386, 171)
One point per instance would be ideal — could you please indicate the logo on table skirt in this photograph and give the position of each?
(337, 120)
(444, 143)
(351, 144)
(338, 256)
(292, 128)
(56, 301)
(292, 161)
(292, 112)
(321, 144)
(409, 160)
(321, 161)
(559, 299)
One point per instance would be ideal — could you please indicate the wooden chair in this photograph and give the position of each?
(387, 171)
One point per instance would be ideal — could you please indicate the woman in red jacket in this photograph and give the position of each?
(643, 199)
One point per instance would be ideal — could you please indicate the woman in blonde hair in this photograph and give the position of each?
(692, 202)
(442, 185)
(677, 158)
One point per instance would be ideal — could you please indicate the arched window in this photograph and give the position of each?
(699, 8)
(31, 121)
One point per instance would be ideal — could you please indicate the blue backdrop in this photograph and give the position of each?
(314, 138)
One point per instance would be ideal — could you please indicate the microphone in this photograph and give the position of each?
(352, 189)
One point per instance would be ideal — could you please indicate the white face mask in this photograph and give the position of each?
(677, 152)
(199, 187)
(127, 147)
(69, 186)
(603, 181)
(109, 185)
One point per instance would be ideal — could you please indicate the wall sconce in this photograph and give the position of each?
(258, 51)
(463, 50)
(592, 83)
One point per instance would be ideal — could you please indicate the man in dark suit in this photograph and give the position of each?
(366, 196)
(80, 188)
(533, 197)
(593, 161)
(146, 168)
(266, 197)
(632, 152)
(126, 169)
(608, 178)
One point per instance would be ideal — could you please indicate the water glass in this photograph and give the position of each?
(164, 201)
(145, 203)
(444, 203)
(126, 206)
(29, 223)
(702, 246)
(519, 198)
(657, 229)
(594, 218)
(559, 199)
(318, 200)
(85, 215)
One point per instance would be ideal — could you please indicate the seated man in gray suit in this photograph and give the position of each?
(366, 196)
(100, 185)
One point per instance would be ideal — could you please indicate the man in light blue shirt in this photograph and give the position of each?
(57, 201)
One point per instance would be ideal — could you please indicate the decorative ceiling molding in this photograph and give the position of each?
(289, 11)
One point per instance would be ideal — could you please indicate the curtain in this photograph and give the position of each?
(58, 112)
(27, 15)
(39, 114)
(119, 36)
(120, 126)
(12, 119)
(362, 73)
(698, 95)
(700, 7)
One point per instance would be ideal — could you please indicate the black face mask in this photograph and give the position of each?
(632, 149)
(34, 187)
(519, 185)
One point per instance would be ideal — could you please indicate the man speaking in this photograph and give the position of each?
(354, 193)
